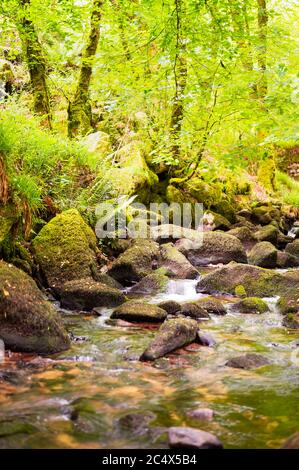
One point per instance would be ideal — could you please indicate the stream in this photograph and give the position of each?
(81, 398)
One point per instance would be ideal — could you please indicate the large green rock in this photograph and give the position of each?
(173, 334)
(216, 247)
(136, 262)
(135, 311)
(65, 249)
(28, 322)
(268, 233)
(259, 282)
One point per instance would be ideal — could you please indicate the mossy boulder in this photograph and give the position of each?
(248, 361)
(259, 282)
(250, 305)
(245, 235)
(216, 247)
(175, 261)
(153, 283)
(213, 221)
(293, 248)
(65, 249)
(135, 311)
(28, 322)
(265, 214)
(136, 262)
(171, 306)
(212, 305)
(263, 254)
(132, 174)
(194, 310)
(291, 321)
(286, 260)
(225, 208)
(86, 294)
(173, 334)
(268, 233)
(240, 291)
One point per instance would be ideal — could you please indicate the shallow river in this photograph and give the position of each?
(80, 398)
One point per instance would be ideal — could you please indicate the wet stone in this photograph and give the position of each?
(191, 438)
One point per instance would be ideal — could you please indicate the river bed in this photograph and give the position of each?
(82, 398)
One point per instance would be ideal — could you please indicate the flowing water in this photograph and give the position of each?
(79, 399)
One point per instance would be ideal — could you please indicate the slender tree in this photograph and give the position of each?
(262, 56)
(180, 78)
(36, 62)
(79, 109)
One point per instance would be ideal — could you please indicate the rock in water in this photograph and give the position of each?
(194, 310)
(263, 254)
(250, 305)
(248, 361)
(217, 247)
(202, 414)
(259, 282)
(191, 438)
(134, 311)
(173, 334)
(171, 306)
(154, 283)
(85, 294)
(28, 322)
(205, 339)
(65, 249)
(292, 442)
(212, 305)
(136, 262)
(174, 260)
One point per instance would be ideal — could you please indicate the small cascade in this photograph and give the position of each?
(293, 231)
(180, 290)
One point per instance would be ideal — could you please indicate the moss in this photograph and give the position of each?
(240, 291)
(28, 322)
(266, 175)
(66, 249)
(251, 305)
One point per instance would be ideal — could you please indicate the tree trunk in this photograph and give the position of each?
(262, 56)
(79, 110)
(36, 64)
(242, 31)
(180, 77)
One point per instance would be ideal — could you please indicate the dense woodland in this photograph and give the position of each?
(151, 101)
